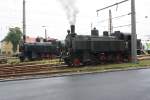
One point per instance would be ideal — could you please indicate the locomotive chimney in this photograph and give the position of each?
(72, 29)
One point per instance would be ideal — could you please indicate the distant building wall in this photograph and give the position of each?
(7, 48)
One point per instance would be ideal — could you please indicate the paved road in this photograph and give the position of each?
(123, 85)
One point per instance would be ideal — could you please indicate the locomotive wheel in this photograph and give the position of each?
(22, 59)
(129, 58)
(26, 59)
(102, 58)
(110, 58)
(76, 62)
(68, 62)
(119, 58)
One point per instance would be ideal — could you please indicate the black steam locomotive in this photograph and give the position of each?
(39, 50)
(94, 49)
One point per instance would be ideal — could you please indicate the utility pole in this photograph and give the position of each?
(110, 28)
(24, 22)
(45, 32)
(91, 25)
(134, 35)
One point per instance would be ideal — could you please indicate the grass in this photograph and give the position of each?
(97, 68)
(110, 67)
(14, 61)
(141, 63)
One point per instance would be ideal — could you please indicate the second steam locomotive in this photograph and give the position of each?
(39, 50)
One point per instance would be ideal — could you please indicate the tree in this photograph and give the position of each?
(14, 36)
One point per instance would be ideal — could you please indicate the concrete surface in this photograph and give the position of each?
(122, 85)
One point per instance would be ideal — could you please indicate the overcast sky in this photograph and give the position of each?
(50, 13)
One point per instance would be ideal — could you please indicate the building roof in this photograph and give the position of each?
(30, 39)
(51, 39)
(33, 39)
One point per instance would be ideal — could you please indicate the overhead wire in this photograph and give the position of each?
(117, 17)
(126, 25)
(122, 26)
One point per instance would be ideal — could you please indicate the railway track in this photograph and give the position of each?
(143, 57)
(26, 69)
(23, 69)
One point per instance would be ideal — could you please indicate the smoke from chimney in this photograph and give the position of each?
(71, 10)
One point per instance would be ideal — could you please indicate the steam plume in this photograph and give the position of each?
(71, 10)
